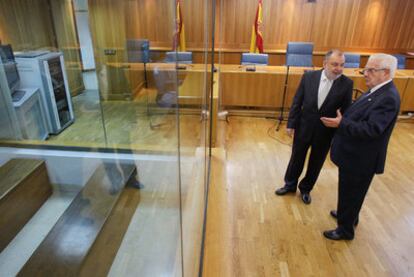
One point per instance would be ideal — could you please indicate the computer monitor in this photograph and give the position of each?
(10, 67)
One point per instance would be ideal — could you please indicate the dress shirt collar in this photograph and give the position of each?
(324, 77)
(379, 86)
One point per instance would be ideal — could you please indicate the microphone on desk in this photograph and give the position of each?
(251, 68)
(180, 67)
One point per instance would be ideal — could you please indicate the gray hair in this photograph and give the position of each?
(331, 52)
(386, 61)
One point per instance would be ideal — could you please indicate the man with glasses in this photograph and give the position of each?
(320, 93)
(360, 144)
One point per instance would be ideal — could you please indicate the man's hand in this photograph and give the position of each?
(290, 132)
(332, 122)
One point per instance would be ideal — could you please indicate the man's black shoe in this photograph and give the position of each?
(334, 214)
(284, 190)
(306, 198)
(337, 235)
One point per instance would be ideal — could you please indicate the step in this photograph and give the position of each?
(67, 245)
(24, 187)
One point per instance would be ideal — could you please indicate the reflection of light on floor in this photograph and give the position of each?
(75, 238)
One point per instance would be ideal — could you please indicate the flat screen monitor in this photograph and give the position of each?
(10, 68)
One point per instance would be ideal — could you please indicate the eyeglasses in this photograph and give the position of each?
(371, 70)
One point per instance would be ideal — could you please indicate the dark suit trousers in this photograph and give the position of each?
(351, 194)
(319, 150)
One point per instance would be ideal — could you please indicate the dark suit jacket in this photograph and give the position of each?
(360, 144)
(304, 115)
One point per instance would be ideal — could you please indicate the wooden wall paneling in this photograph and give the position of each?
(26, 24)
(277, 59)
(107, 23)
(153, 20)
(67, 40)
(230, 58)
(195, 17)
(400, 29)
(350, 25)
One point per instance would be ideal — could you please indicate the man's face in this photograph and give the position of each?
(374, 74)
(334, 66)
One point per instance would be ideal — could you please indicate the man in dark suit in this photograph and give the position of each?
(360, 144)
(320, 94)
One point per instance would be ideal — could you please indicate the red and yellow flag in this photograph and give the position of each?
(179, 36)
(256, 43)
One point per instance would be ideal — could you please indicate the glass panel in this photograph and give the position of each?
(103, 92)
(54, 100)
(194, 99)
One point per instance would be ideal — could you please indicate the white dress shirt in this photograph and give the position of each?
(324, 87)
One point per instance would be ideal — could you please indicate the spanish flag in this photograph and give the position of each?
(179, 36)
(256, 44)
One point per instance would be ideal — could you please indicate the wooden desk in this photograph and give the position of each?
(264, 88)
(407, 100)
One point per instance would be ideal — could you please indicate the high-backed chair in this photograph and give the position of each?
(138, 50)
(299, 54)
(352, 60)
(180, 57)
(401, 61)
(254, 58)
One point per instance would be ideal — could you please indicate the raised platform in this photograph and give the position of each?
(24, 187)
(93, 220)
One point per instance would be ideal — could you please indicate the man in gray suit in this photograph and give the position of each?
(360, 144)
(320, 94)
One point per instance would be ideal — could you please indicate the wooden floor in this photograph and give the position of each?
(127, 124)
(253, 232)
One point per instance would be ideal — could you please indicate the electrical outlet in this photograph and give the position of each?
(109, 52)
